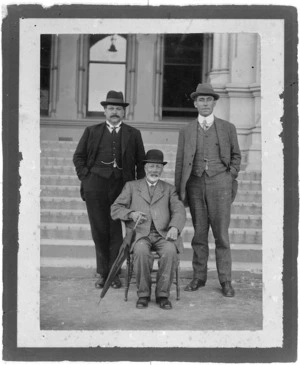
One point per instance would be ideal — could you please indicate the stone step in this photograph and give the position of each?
(68, 153)
(67, 149)
(67, 161)
(86, 249)
(55, 191)
(50, 265)
(82, 232)
(168, 174)
(81, 217)
(72, 180)
(241, 208)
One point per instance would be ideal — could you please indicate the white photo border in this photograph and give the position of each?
(29, 334)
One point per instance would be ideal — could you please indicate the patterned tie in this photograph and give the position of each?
(151, 190)
(205, 125)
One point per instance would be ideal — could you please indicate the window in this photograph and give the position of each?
(106, 68)
(45, 67)
(182, 72)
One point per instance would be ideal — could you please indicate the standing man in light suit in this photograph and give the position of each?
(207, 165)
(107, 156)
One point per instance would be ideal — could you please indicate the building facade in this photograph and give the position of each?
(157, 73)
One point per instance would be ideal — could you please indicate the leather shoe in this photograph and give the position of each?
(116, 284)
(227, 289)
(195, 284)
(99, 284)
(142, 302)
(164, 303)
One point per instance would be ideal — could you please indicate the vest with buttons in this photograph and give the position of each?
(109, 151)
(207, 156)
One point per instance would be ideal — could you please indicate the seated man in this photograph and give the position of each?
(162, 217)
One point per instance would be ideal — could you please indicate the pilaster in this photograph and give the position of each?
(66, 106)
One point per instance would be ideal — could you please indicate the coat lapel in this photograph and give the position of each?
(158, 192)
(221, 133)
(193, 136)
(125, 137)
(144, 191)
(97, 136)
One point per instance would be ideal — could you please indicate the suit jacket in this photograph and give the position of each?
(132, 149)
(165, 208)
(230, 153)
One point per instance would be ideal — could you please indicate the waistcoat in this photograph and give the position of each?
(207, 156)
(108, 152)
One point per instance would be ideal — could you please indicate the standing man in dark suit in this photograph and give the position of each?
(207, 165)
(107, 156)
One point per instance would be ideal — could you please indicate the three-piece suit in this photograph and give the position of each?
(104, 162)
(163, 210)
(207, 165)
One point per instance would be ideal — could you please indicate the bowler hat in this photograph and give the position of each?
(204, 89)
(114, 98)
(154, 156)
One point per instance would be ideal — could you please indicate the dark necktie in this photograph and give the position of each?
(114, 131)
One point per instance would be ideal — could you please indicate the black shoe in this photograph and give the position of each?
(227, 289)
(142, 302)
(116, 284)
(99, 284)
(195, 284)
(164, 303)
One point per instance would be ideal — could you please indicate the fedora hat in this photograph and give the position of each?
(114, 98)
(154, 156)
(204, 89)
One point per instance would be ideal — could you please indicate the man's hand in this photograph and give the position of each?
(172, 234)
(136, 215)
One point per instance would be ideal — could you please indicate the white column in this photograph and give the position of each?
(145, 92)
(158, 77)
(254, 154)
(219, 74)
(54, 76)
(131, 76)
(81, 76)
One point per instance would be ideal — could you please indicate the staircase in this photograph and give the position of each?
(65, 232)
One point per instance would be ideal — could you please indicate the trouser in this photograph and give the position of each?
(143, 264)
(210, 199)
(99, 194)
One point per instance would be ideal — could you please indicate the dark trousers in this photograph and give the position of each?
(143, 264)
(99, 194)
(210, 201)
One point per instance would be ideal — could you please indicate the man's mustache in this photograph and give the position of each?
(115, 116)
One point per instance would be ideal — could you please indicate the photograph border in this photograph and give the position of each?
(12, 183)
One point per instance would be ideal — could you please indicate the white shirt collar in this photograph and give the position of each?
(111, 127)
(209, 119)
(151, 184)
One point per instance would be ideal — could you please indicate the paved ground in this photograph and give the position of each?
(69, 301)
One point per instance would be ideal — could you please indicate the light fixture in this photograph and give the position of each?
(112, 47)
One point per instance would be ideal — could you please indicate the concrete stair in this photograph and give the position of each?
(65, 231)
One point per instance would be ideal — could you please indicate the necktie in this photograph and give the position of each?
(205, 125)
(114, 131)
(151, 190)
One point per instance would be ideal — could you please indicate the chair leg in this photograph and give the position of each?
(177, 282)
(129, 270)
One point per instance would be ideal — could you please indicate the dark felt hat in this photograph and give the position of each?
(114, 98)
(204, 89)
(154, 156)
